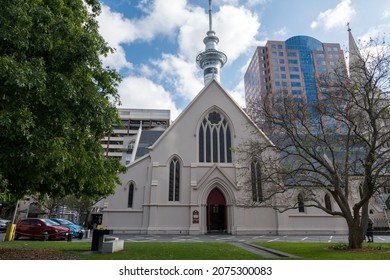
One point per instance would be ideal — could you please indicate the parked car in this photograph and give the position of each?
(44, 229)
(77, 230)
(4, 224)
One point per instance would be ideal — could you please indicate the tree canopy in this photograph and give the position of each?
(56, 99)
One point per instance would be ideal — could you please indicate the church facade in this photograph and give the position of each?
(191, 181)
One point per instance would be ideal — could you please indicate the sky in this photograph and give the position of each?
(156, 41)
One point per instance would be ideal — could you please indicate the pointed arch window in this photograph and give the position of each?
(130, 197)
(215, 139)
(328, 203)
(256, 181)
(174, 180)
(301, 204)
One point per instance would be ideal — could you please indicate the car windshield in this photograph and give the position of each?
(64, 222)
(50, 223)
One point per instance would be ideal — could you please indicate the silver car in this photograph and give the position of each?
(4, 224)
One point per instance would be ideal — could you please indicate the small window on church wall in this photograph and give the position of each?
(214, 139)
(131, 196)
(328, 204)
(301, 205)
(257, 188)
(174, 180)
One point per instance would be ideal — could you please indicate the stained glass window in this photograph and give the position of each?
(174, 180)
(215, 139)
(131, 196)
(257, 187)
(328, 204)
(301, 204)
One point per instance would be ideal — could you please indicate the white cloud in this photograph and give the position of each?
(238, 28)
(116, 30)
(229, 2)
(141, 93)
(281, 32)
(256, 2)
(191, 34)
(334, 18)
(164, 18)
(147, 71)
(386, 14)
(174, 76)
(376, 33)
(238, 94)
(117, 60)
(247, 2)
(181, 74)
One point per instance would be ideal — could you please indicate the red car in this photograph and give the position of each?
(43, 229)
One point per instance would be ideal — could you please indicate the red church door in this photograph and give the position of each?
(216, 212)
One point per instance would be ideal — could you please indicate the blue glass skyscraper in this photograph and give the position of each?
(289, 67)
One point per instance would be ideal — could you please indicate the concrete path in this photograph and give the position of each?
(262, 251)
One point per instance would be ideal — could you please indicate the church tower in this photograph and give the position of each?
(211, 60)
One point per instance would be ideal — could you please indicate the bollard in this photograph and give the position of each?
(10, 233)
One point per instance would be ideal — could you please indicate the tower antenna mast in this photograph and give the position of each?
(210, 17)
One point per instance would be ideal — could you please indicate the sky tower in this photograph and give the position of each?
(211, 60)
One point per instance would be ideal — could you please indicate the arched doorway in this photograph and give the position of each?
(216, 212)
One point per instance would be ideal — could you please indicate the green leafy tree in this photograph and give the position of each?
(56, 99)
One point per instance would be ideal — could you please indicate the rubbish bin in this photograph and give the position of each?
(97, 238)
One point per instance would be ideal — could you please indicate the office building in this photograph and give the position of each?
(289, 68)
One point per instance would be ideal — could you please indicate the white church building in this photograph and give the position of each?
(190, 180)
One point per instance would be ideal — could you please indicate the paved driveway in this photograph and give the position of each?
(232, 238)
(241, 238)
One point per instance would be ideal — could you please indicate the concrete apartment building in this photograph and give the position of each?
(139, 129)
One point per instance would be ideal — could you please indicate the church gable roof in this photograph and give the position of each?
(212, 95)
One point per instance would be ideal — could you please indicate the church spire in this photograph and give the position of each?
(355, 59)
(211, 60)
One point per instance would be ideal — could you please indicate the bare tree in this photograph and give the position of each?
(343, 152)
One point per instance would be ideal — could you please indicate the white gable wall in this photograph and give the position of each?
(151, 211)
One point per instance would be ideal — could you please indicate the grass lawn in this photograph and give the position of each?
(144, 250)
(331, 251)
(208, 250)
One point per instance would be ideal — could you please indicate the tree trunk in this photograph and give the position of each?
(355, 237)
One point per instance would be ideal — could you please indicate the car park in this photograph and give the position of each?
(4, 224)
(77, 230)
(44, 229)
